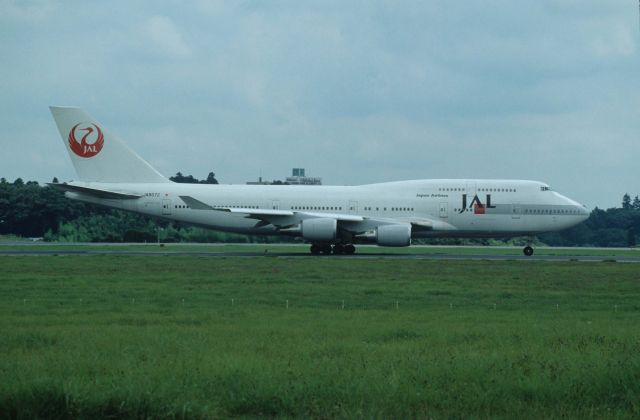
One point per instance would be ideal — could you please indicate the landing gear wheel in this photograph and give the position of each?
(315, 249)
(326, 249)
(338, 249)
(349, 249)
(528, 251)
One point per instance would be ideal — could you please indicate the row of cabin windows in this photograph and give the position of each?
(497, 189)
(335, 208)
(527, 211)
(180, 206)
(549, 211)
(391, 209)
(480, 189)
(534, 211)
(235, 207)
(317, 208)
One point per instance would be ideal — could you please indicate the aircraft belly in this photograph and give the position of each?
(500, 224)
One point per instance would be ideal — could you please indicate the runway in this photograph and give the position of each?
(95, 251)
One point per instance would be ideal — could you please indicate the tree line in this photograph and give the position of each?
(28, 209)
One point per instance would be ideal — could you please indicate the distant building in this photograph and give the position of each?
(258, 182)
(297, 177)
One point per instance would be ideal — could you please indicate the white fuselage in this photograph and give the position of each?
(460, 208)
(331, 218)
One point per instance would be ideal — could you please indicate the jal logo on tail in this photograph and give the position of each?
(91, 139)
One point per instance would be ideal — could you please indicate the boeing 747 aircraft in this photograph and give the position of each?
(331, 218)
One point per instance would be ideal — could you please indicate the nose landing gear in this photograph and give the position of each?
(528, 251)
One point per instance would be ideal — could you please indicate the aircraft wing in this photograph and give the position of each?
(290, 219)
(278, 218)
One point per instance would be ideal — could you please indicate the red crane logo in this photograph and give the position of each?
(90, 144)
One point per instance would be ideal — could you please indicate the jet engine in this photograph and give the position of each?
(319, 230)
(394, 235)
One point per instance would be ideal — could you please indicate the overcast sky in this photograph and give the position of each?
(355, 92)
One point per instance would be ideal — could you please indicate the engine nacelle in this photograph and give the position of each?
(394, 235)
(319, 230)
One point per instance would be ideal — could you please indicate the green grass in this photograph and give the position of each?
(112, 336)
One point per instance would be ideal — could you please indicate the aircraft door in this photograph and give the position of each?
(166, 206)
(470, 190)
(444, 210)
(275, 204)
(516, 211)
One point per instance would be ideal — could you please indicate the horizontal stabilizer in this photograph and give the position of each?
(94, 192)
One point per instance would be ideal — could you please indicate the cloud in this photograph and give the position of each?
(30, 11)
(618, 41)
(355, 94)
(165, 38)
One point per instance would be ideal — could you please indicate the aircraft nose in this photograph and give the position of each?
(583, 212)
(579, 210)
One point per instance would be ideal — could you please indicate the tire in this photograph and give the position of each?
(315, 249)
(528, 251)
(349, 249)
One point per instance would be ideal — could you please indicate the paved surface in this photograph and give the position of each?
(34, 251)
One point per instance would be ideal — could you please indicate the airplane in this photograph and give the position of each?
(333, 219)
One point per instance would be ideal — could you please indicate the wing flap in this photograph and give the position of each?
(263, 213)
(199, 205)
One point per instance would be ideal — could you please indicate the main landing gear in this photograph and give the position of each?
(528, 250)
(337, 249)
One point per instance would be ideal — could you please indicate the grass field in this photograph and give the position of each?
(187, 337)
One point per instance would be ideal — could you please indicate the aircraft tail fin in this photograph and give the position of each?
(97, 155)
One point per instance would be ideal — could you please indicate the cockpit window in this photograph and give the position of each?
(545, 188)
